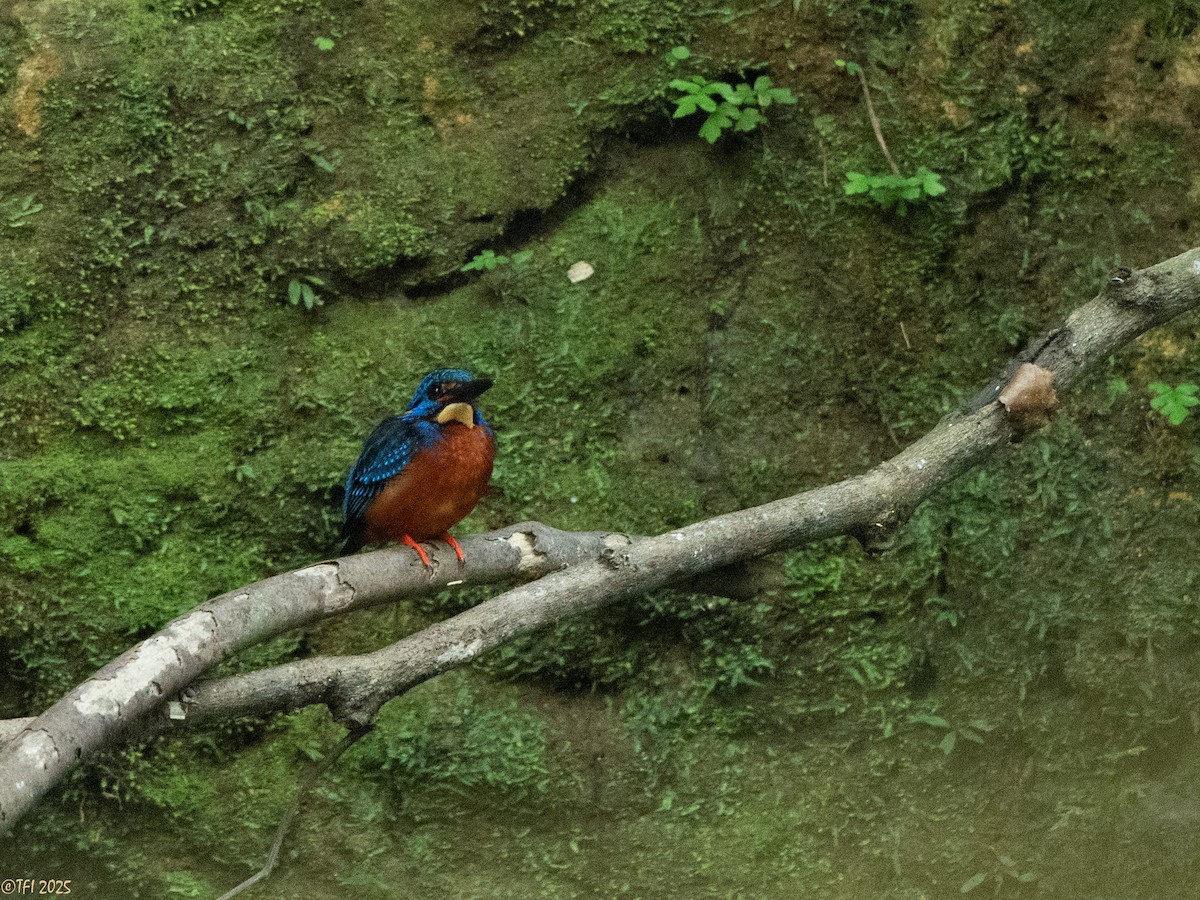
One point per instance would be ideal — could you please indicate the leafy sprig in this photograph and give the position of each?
(301, 290)
(896, 190)
(489, 260)
(1174, 403)
(728, 106)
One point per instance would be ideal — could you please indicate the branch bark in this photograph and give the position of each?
(118, 696)
(603, 569)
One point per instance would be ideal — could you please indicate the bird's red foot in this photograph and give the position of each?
(454, 544)
(409, 542)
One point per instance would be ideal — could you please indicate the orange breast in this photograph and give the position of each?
(437, 488)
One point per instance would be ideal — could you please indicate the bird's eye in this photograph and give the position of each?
(436, 390)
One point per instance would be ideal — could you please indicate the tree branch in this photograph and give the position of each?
(136, 684)
(607, 568)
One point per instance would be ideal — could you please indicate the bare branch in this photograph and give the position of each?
(608, 568)
(10, 728)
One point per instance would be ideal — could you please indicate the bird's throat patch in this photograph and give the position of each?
(457, 412)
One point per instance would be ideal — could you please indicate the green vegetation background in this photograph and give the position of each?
(1008, 703)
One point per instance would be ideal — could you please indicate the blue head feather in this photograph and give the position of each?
(422, 403)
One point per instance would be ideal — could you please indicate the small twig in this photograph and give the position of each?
(862, 76)
(302, 790)
(904, 334)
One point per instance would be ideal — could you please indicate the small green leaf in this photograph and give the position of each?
(680, 53)
(1174, 403)
(485, 260)
(781, 95)
(932, 183)
(1117, 387)
(749, 119)
(856, 183)
(293, 291)
(17, 218)
(685, 106)
(324, 44)
(711, 129)
(973, 882)
(948, 742)
(742, 95)
(725, 90)
(824, 125)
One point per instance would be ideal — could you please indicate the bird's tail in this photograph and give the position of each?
(354, 541)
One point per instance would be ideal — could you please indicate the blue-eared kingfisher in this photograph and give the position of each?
(420, 473)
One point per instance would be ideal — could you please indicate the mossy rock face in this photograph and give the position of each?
(1007, 700)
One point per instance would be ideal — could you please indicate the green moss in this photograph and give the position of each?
(170, 428)
(447, 740)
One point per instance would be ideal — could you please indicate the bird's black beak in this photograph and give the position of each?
(467, 391)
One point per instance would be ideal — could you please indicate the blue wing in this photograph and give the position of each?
(386, 452)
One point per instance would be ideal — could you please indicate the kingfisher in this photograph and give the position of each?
(420, 473)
